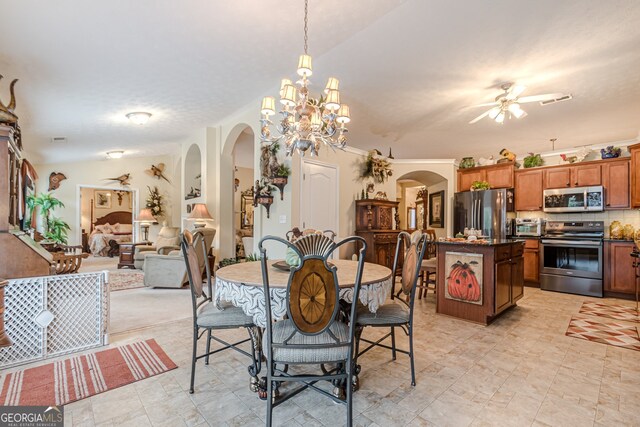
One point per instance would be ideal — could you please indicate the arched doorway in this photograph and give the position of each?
(237, 172)
(424, 195)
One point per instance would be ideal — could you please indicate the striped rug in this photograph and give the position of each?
(83, 376)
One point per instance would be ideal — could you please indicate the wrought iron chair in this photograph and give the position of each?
(207, 317)
(315, 331)
(399, 312)
(295, 233)
(429, 267)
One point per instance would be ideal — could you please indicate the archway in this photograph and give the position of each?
(437, 195)
(237, 162)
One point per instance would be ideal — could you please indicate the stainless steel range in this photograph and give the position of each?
(571, 257)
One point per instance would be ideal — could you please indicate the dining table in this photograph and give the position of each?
(241, 285)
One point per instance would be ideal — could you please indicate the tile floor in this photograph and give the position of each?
(521, 370)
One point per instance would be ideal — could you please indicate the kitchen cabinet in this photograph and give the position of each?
(615, 179)
(498, 176)
(528, 189)
(635, 175)
(531, 261)
(557, 177)
(586, 175)
(619, 273)
(503, 285)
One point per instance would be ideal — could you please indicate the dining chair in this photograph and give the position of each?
(398, 312)
(429, 266)
(208, 317)
(315, 331)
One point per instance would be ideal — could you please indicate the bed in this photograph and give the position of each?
(113, 226)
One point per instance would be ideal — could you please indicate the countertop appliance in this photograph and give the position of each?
(530, 227)
(576, 199)
(484, 210)
(571, 257)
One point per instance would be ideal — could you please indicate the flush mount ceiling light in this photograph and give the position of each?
(114, 154)
(139, 117)
(306, 122)
(507, 104)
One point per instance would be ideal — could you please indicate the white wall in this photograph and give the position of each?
(93, 173)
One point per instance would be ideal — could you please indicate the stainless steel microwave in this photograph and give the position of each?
(576, 199)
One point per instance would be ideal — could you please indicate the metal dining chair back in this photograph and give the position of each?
(315, 330)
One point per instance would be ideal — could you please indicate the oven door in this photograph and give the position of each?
(572, 258)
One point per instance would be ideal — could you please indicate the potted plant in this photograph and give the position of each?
(610, 152)
(480, 185)
(263, 194)
(533, 161)
(54, 229)
(281, 178)
(467, 162)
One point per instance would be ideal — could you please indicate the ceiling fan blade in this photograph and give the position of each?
(538, 98)
(487, 104)
(515, 91)
(481, 116)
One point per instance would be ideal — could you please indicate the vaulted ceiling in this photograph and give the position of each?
(410, 70)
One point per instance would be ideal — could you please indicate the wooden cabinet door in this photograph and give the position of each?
(615, 179)
(586, 175)
(635, 176)
(531, 260)
(382, 254)
(517, 279)
(466, 178)
(619, 274)
(503, 285)
(557, 178)
(500, 177)
(528, 190)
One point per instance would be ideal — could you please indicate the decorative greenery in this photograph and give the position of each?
(253, 257)
(376, 166)
(610, 152)
(283, 170)
(480, 185)
(533, 161)
(467, 162)
(228, 261)
(422, 193)
(55, 229)
(155, 202)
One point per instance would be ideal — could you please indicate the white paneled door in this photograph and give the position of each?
(320, 192)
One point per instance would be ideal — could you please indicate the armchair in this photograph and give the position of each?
(168, 240)
(169, 271)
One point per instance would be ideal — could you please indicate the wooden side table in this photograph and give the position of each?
(126, 255)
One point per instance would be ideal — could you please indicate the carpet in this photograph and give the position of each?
(79, 377)
(609, 333)
(119, 281)
(613, 311)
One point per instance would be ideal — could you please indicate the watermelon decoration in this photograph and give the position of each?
(462, 282)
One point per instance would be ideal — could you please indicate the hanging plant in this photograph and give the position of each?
(155, 202)
(376, 167)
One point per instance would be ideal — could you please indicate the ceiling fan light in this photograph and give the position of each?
(500, 117)
(494, 112)
(516, 110)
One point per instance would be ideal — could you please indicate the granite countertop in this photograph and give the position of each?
(609, 239)
(494, 242)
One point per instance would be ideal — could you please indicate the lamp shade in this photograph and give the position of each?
(332, 84)
(304, 65)
(145, 215)
(343, 114)
(289, 95)
(200, 211)
(283, 83)
(268, 106)
(333, 100)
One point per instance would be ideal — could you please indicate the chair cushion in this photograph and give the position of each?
(284, 328)
(431, 263)
(230, 317)
(388, 314)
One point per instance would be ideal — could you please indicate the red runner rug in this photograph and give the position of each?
(79, 377)
(609, 333)
(612, 311)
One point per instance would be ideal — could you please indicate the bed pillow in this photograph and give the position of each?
(126, 228)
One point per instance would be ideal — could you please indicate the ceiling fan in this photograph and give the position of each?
(507, 104)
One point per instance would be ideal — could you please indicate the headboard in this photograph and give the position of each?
(122, 217)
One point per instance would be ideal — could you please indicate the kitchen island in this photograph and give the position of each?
(477, 281)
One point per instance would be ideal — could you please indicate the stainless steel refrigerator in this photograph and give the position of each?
(483, 210)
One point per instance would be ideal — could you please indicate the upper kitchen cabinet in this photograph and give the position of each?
(557, 177)
(528, 189)
(615, 179)
(586, 175)
(635, 175)
(573, 176)
(498, 176)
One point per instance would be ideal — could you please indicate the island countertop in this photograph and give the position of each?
(479, 242)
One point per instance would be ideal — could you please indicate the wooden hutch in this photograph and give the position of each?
(21, 256)
(375, 222)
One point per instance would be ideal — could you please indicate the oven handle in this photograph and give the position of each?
(572, 242)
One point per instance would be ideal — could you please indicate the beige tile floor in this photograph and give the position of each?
(521, 370)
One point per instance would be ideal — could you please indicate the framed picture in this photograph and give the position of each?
(102, 199)
(436, 209)
(464, 280)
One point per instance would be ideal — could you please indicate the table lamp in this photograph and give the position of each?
(145, 218)
(199, 212)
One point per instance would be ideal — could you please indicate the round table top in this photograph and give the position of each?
(250, 273)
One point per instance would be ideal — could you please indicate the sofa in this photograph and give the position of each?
(169, 271)
(168, 240)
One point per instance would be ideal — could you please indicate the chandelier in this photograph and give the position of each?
(306, 121)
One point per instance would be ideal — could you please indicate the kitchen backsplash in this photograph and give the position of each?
(629, 216)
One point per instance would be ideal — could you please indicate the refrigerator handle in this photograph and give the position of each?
(473, 211)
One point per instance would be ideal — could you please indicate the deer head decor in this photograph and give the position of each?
(7, 115)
